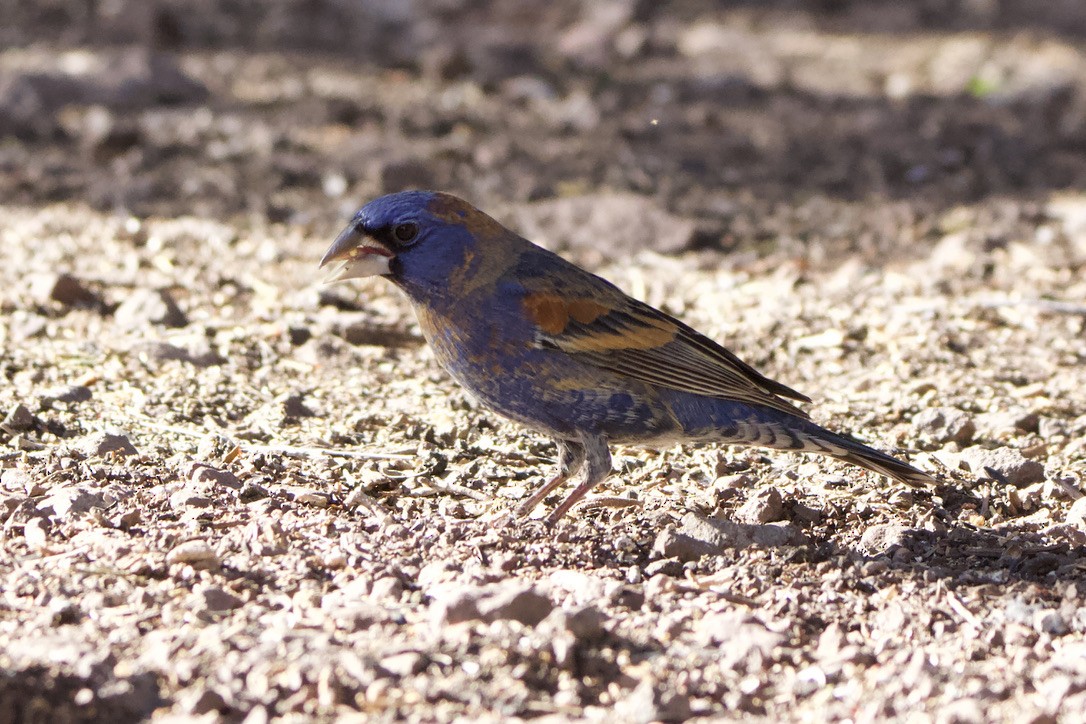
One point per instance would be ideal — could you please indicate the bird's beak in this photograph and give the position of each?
(359, 255)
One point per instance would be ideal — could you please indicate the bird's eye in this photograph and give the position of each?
(406, 232)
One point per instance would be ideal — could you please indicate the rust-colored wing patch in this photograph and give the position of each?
(576, 321)
(640, 342)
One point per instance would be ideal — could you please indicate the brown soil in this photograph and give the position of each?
(233, 493)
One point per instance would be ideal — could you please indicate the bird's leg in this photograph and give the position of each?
(570, 457)
(596, 469)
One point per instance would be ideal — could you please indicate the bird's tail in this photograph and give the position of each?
(806, 436)
(765, 427)
(857, 453)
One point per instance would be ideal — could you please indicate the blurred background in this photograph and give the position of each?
(748, 124)
(230, 489)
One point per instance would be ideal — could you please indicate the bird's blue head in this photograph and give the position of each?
(418, 239)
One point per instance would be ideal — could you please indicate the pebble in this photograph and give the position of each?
(148, 307)
(766, 506)
(1050, 621)
(19, 419)
(36, 533)
(404, 664)
(1076, 514)
(64, 502)
(699, 536)
(201, 473)
(582, 587)
(105, 443)
(884, 538)
(307, 497)
(196, 553)
(667, 566)
(62, 288)
(945, 424)
(67, 394)
(502, 601)
(387, 588)
(1006, 425)
(202, 701)
(214, 599)
(294, 407)
(190, 497)
(585, 623)
(1007, 464)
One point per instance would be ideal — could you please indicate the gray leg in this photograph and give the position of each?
(570, 458)
(596, 469)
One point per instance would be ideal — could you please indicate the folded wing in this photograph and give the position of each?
(622, 335)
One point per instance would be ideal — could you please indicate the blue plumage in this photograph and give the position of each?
(562, 351)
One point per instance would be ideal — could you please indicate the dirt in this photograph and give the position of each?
(232, 493)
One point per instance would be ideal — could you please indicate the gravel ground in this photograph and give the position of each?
(231, 493)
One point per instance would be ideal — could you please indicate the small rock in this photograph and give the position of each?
(404, 664)
(202, 701)
(189, 497)
(497, 602)
(68, 501)
(196, 553)
(584, 623)
(639, 706)
(251, 491)
(201, 473)
(1007, 424)
(964, 711)
(667, 566)
(1002, 464)
(766, 506)
(19, 419)
(294, 406)
(66, 394)
(884, 538)
(941, 425)
(299, 335)
(104, 443)
(36, 533)
(15, 479)
(146, 307)
(307, 497)
(62, 288)
(584, 588)
(698, 536)
(214, 598)
(1050, 621)
(1076, 514)
(349, 613)
(679, 546)
(387, 588)
(739, 632)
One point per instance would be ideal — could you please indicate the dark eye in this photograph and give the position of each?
(406, 232)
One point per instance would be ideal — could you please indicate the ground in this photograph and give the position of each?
(230, 492)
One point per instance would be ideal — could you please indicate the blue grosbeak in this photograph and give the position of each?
(565, 352)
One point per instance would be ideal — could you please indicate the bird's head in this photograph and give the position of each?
(418, 239)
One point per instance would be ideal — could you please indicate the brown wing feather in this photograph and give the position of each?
(633, 339)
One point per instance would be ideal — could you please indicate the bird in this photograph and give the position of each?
(562, 351)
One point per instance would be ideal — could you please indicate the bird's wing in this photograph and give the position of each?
(620, 334)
